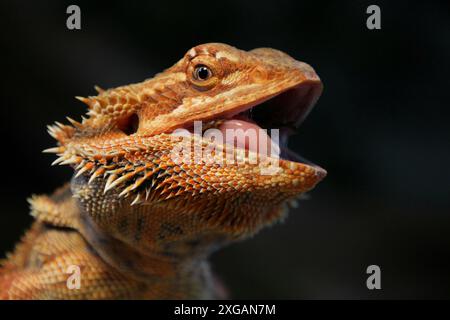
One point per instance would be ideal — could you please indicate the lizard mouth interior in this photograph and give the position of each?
(285, 112)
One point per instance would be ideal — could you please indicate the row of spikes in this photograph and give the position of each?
(127, 96)
(62, 132)
(116, 176)
(131, 96)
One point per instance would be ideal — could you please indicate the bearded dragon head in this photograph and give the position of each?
(153, 189)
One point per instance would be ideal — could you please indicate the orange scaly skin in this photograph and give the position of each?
(138, 224)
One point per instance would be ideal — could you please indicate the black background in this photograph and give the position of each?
(380, 129)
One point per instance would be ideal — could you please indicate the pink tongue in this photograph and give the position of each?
(247, 135)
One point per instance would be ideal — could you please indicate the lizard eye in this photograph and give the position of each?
(202, 73)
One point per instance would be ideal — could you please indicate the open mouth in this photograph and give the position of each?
(285, 112)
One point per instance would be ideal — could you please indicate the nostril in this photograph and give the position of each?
(129, 124)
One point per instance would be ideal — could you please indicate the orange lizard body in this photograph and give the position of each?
(137, 223)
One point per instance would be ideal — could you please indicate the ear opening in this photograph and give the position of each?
(129, 124)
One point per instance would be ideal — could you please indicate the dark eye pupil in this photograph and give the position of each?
(202, 73)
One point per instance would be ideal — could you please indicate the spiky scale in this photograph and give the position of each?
(87, 167)
(97, 173)
(58, 160)
(110, 180)
(76, 124)
(54, 150)
(71, 160)
(136, 200)
(98, 89)
(125, 191)
(118, 181)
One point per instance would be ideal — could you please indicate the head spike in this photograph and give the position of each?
(98, 89)
(179, 192)
(80, 165)
(71, 160)
(118, 181)
(59, 160)
(171, 195)
(125, 191)
(52, 131)
(76, 124)
(86, 101)
(143, 179)
(54, 150)
(88, 166)
(96, 174)
(110, 180)
(136, 200)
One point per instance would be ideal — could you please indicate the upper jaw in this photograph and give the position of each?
(249, 89)
(286, 108)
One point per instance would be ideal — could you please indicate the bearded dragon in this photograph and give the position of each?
(135, 222)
